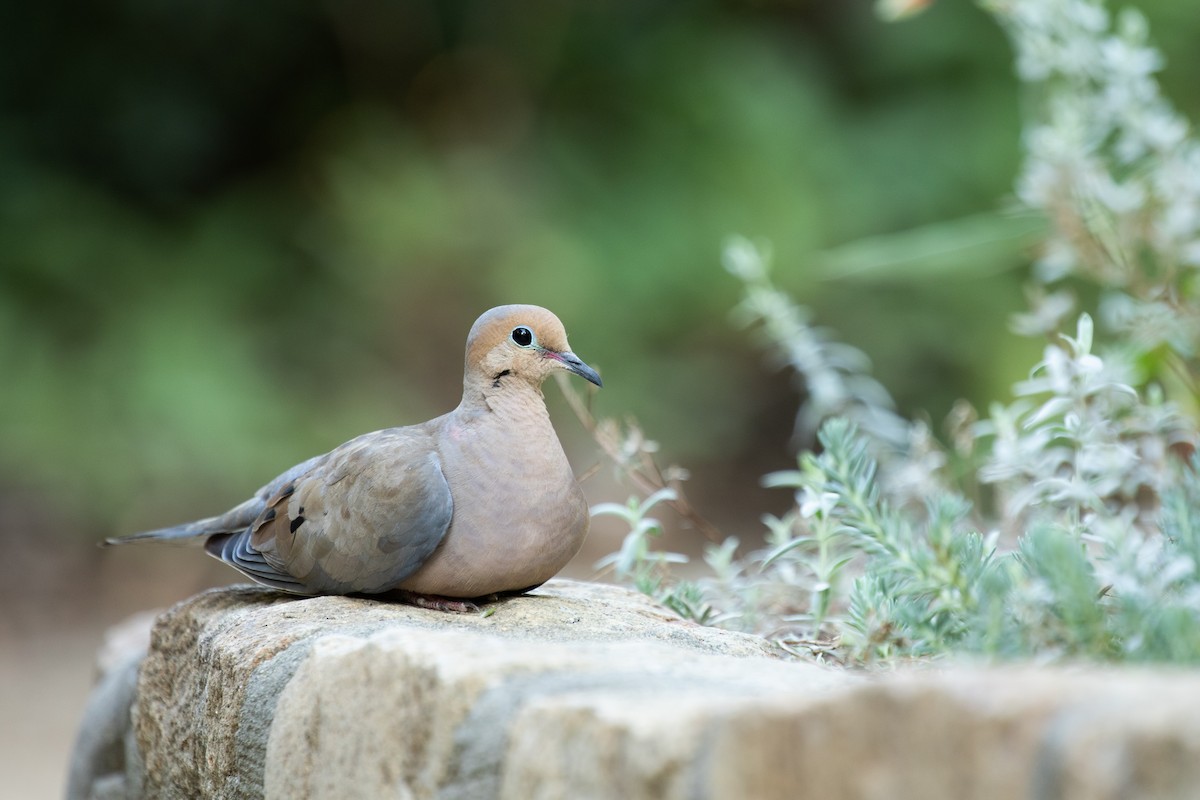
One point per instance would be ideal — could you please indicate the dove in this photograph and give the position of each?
(478, 502)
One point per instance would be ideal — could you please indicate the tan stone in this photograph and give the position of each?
(219, 663)
(589, 691)
(467, 714)
(973, 732)
(105, 762)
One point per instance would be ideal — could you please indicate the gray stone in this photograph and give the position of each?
(592, 691)
(1017, 732)
(104, 760)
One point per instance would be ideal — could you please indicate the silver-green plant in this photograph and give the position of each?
(636, 560)
(1089, 546)
(835, 376)
(1112, 165)
(1080, 443)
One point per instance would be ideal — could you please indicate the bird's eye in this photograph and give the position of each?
(522, 336)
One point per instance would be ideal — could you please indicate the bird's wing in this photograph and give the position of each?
(362, 519)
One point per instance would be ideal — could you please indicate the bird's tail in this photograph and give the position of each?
(196, 533)
(189, 533)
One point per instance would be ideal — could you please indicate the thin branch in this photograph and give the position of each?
(633, 455)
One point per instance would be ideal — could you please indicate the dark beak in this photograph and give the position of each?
(573, 364)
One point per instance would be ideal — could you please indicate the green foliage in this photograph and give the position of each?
(635, 560)
(849, 577)
(924, 566)
(1083, 484)
(220, 260)
(647, 569)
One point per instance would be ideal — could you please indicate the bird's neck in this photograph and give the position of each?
(516, 417)
(505, 397)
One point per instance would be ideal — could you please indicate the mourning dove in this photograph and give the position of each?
(476, 502)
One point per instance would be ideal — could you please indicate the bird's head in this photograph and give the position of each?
(520, 342)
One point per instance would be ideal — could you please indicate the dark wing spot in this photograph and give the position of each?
(296, 523)
(270, 515)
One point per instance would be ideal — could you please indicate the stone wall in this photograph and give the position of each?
(591, 691)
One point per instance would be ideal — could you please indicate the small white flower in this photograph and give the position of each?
(1162, 129)
(1088, 15)
(817, 504)
(743, 259)
(1119, 198)
(1125, 60)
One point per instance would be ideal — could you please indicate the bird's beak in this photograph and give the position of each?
(573, 364)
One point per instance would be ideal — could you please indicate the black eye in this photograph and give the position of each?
(522, 336)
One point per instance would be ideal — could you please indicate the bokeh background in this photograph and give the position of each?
(233, 235)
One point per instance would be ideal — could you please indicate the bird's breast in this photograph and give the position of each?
(519, 514)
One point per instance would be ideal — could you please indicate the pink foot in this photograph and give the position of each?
(437, 602)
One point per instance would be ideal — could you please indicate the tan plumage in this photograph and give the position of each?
(475, 502)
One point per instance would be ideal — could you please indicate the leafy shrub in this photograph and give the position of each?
(1066, 523)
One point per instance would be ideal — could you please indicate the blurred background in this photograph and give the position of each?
(234, 235)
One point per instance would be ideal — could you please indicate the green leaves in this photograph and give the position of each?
(635, 560)
(1092, 548)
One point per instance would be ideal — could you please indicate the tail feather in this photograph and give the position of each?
(188, 533)
(236, 551)
(233, 521)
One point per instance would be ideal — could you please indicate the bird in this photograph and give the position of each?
(480, 502)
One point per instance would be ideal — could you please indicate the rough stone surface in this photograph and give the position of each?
(105, 762)
(980, 733)
(590, 691)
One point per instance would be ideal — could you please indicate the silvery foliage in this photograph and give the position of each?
(1091, 447)
(1112, 164)
(834, 376)
(1081, 441)
(1095, 542)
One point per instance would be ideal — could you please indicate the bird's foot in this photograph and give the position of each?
(439, 603)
